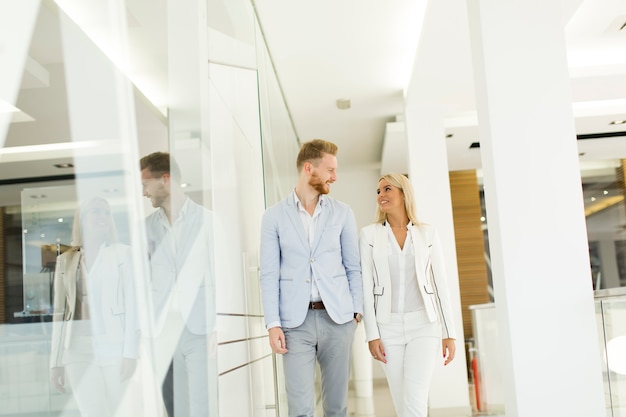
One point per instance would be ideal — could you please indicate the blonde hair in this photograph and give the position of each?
(402, 182)
(77, 226)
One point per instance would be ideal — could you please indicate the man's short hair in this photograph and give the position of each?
(159, 163)
(313, 151)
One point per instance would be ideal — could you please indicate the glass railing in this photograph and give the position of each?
(611, 323)
(611, 313)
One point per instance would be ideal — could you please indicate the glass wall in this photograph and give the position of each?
(109, 300)
(605, 214)
(611, 313)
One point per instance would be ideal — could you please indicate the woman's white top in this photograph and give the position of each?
(405, 293)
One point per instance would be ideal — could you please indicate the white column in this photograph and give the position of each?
(428, 171)
(539, 252)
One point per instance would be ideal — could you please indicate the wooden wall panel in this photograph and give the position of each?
(470, 246)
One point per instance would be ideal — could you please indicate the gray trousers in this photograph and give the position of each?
(318, 338)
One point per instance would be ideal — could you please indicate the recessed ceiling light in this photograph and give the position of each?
(618, 122)
(343, 103)
(184, 185)
(64, 165)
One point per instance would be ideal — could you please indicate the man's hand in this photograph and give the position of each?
(277, 340)
(57, 376)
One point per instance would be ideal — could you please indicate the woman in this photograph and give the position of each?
(407, 312)
(95, 334)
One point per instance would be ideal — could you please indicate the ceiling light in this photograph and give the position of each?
(343, 103)
(605, 192)
(60, 219)
(618, 122)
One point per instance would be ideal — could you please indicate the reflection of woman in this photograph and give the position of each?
(95, 332)
(407, 307)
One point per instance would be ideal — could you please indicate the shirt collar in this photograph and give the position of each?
(320, 202)
(181, 214)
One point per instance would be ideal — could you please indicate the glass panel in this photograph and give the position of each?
(280, 149)
(88, 88)
(612, 314)
(603, 194)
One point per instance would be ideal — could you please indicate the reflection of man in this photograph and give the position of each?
(311, 284)
(180, 250)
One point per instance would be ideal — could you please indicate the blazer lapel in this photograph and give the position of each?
(421, 249)
(379, 253)
(321, 224)
(291, 210)
(192, 227)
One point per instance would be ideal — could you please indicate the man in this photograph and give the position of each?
(311, 283)
(179, 236)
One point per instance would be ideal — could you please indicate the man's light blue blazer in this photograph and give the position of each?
(289, 264)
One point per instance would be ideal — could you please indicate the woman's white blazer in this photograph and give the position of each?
(431, 277)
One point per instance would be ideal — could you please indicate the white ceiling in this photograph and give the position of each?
(359, 50)
(363, 51)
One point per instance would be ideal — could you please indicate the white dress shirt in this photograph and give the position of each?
(405, 294)
(309, 223)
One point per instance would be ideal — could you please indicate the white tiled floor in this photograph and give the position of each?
(380, 405)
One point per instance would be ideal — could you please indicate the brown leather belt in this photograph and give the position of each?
(316, 305)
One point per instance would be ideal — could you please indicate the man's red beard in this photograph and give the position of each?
(319, 185)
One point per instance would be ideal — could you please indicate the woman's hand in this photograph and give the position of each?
(377, 350)
(57, 376)
(449, 349)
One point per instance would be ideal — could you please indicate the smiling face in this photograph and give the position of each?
(324, 174)
(156, 189)
(390, 198)
(93, 223)
(97, 218)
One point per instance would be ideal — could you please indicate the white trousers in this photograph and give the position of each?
(413, 346)
(97, 390)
